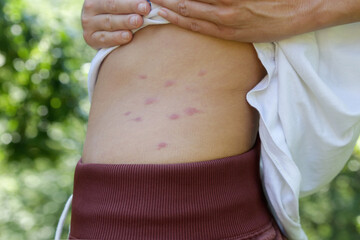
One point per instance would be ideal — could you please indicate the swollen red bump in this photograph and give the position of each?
(162, 145)
(138, 119)
(143, 76)
(169, 83)
(202, 73)
(191, 111)
(150, 101)
(174, 116)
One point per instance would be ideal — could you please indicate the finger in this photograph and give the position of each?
(110, 22)
(196, 25)
(95, 7)
(209, 1)
(193, 9)
(103, 39)
(203, 1)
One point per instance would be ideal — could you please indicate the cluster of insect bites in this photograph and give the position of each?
(189, 111)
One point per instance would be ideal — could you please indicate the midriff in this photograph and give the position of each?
(173, 96)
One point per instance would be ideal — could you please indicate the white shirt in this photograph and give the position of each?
(309, 106)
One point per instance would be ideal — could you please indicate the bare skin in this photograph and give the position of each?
(181, 99)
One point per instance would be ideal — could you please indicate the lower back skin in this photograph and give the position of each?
(173, 96)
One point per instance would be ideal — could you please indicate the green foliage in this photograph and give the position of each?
(40, 79)
(334, 212)
(43, 113)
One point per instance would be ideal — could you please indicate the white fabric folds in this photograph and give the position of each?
(310, 114)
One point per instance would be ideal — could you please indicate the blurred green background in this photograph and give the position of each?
(43, 114)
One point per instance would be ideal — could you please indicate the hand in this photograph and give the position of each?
(257, 20)
(106, 23)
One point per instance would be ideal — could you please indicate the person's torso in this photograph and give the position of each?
(173, 96)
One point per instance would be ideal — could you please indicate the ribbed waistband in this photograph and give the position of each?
(214, 199)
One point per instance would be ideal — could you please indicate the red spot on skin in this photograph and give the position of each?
(127, 113)
(162, 145)
(143, 76)
(174, 116)
(169, 83)
(202, 73)
(150, 101)
(138, 119)
(191, 111)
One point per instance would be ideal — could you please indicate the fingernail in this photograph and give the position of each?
(134, 20)
(125, 35)
(142, 7)
(162, 13)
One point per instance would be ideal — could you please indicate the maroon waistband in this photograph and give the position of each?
(214, 199)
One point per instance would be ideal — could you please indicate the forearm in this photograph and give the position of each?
(330, 13)
(243, 21)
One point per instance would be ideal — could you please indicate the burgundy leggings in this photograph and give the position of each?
(214, 199)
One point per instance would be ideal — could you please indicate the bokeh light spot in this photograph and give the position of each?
(6, 138)
(44, 73)
(64, 78)
(19, 65)
(30, 65)
(42, 110)
(2, 60)
(56, 52)
(16, 137)
(354, 165)
(17, 94)
(35, 78)
(55, 103)
(16, 29)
